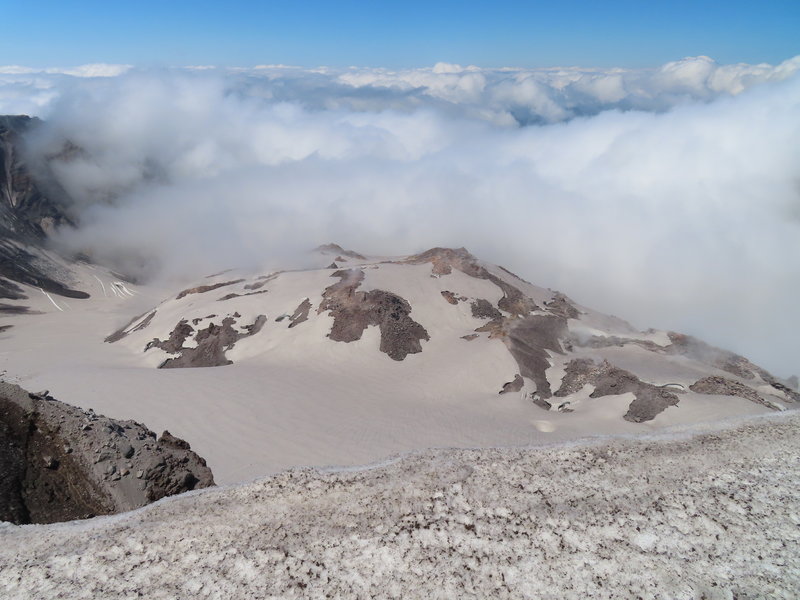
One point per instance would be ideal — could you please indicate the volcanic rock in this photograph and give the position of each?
(483, 309)
(31, 204)
(649, 400)
(58, 462)
(513, 386)
(301, 313)
(353, 311)
(212, 343)
(727, 387)
(201, 289)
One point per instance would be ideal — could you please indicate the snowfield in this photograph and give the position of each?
(294, 397)
(711, 511)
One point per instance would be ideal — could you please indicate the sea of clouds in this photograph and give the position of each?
(669, 196)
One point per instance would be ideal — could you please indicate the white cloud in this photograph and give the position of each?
(682, 213)
(89, 70)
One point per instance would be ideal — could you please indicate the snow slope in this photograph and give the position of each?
(708, 512)
(293, 396)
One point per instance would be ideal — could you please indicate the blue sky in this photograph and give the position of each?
(396, 34)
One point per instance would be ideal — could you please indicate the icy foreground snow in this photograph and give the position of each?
(710, 514)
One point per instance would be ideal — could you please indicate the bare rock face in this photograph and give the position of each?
(353, 311)
(690, 347)
(301, 313)
(444, 260)
(513, 386)
(58, 462)
(727, 387)
(541, 402)
(18, 263)
(529, 339)
(483, 309)
(212, 343)
(201, 289)
(649, 400)
(788, 391)
(528, 336)
(30, 206)
(262, 281)
(450, 297)
(172, 472)
(607, 341)
(233, 295)
(559, 305)
(174, 343)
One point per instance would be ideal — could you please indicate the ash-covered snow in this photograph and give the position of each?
(707, 513)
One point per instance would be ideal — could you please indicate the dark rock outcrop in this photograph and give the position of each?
(608, 341)
(513, 386)
(691, 347)
(649, 400)
(450, 297)
(353, 311)
(300, 314)
(529, 339)
(727, 387)
(31, 205)
(528, 336)
(212, 343)
(444, 260)
(697, 350)
(174, 343)
(202, 289)
(559, 305)
(20, 264)
(261, 281)
(233, 295)
(58, 462)
(483, 309)
(541, 402)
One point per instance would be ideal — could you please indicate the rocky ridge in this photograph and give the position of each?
(59, 462)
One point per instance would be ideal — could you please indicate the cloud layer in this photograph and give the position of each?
(668, 196)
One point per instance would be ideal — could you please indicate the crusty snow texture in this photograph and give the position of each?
(708, 515)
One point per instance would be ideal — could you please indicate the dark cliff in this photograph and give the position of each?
(30, 206)
(58, 462)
